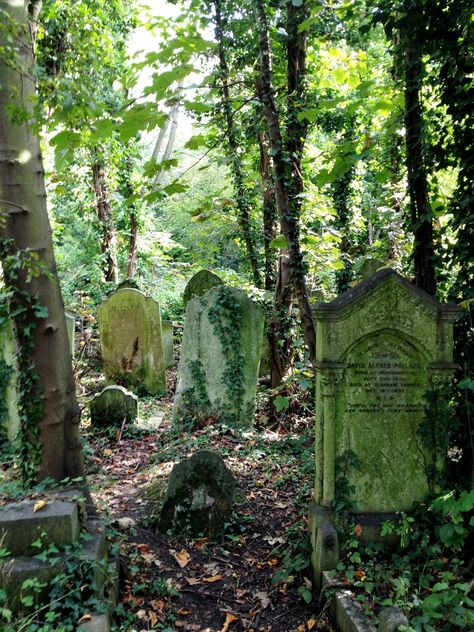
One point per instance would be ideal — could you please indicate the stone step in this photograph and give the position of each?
(17, 570)
(56, 523)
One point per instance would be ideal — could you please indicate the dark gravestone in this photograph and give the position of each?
(199, 496)
(114, 405)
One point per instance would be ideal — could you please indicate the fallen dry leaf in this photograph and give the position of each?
(152, 618)
(310, 623)
(215, 578)
(264, 600)
(358, 530)
(192, 581)
(184, 611)
(39, 505)
(183, 558)
(148, 557)
(158, 604)
(229, 618)
(107, 452)
(85, 617)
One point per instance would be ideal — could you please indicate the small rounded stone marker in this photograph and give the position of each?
(391, 619)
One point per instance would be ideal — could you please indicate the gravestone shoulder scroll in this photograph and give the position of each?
(219, 360)
(199, 284)
(381, 347)
(131, 340)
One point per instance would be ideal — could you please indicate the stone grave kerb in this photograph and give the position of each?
(137, 358)
(398, 324)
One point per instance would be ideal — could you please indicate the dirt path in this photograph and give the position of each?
(177, 583)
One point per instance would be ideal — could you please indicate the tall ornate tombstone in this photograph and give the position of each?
(199, 284)
(220, 356)
(381, 347)
(131, 340)
(168, 347)
(9, 417)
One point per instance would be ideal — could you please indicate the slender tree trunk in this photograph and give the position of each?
(172, 124)
(291, 271)
(25, 228)
(108, 242)
(242, 195)
(132, 246)
(159, 141)
(421, 215)
(269, 210)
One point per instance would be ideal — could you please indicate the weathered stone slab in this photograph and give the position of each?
(131, 340)
(17, 570)
(199, 284)
(347, 612)
(381, 347)
(220, 356)
(56, 523)
(199, 496)
(168, 346)
(391, 620)
(113, 406)
(9, 417)
(71, 331)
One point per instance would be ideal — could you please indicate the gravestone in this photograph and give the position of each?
(168, 348)
(381, 346)
(199, 496)
(220, 357)
(9, 417)
(131, 340)
(199, 284)
(369, 267)
(113, 406)
(71, 331)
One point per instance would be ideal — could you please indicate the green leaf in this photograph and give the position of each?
(281, 403)
(198, 106)
(278, 242)
(196, 141)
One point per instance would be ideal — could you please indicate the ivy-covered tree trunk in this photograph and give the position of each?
(108, 243)
(50, 413)
(269, 210)
(288, 180)
(420, 210)
(241, 194)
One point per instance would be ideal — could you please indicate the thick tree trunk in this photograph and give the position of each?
(172, 124)
(421, 215)
(25, 228)
(291, 269)
(108, 243)
(241, 194)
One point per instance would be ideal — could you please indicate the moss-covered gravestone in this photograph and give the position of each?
(113, 406)
(199, 284)
(168, 348)
(220, 356)
(381, 347)
(9, 417)
(131, 340)
(199, 496)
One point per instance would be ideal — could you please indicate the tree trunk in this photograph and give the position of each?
(108, 242)
(291, 269)
(47, 371)
(172, 123)
(132, 245)
(269, 210)
(241, 194)
(421, 215)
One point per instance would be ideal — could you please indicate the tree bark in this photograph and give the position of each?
(108, 242)
(420, 209)
(241, 194)
(269, 210)
(25, 228)
(172, 124)
(291, 269)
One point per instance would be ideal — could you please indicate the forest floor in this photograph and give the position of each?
(257, 577)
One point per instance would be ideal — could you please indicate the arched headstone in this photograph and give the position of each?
(220, 356)
(199, 284)
(114, 405)
(168, 346)
(131, 340)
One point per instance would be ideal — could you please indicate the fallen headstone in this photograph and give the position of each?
(199, 496)
(114, 405)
